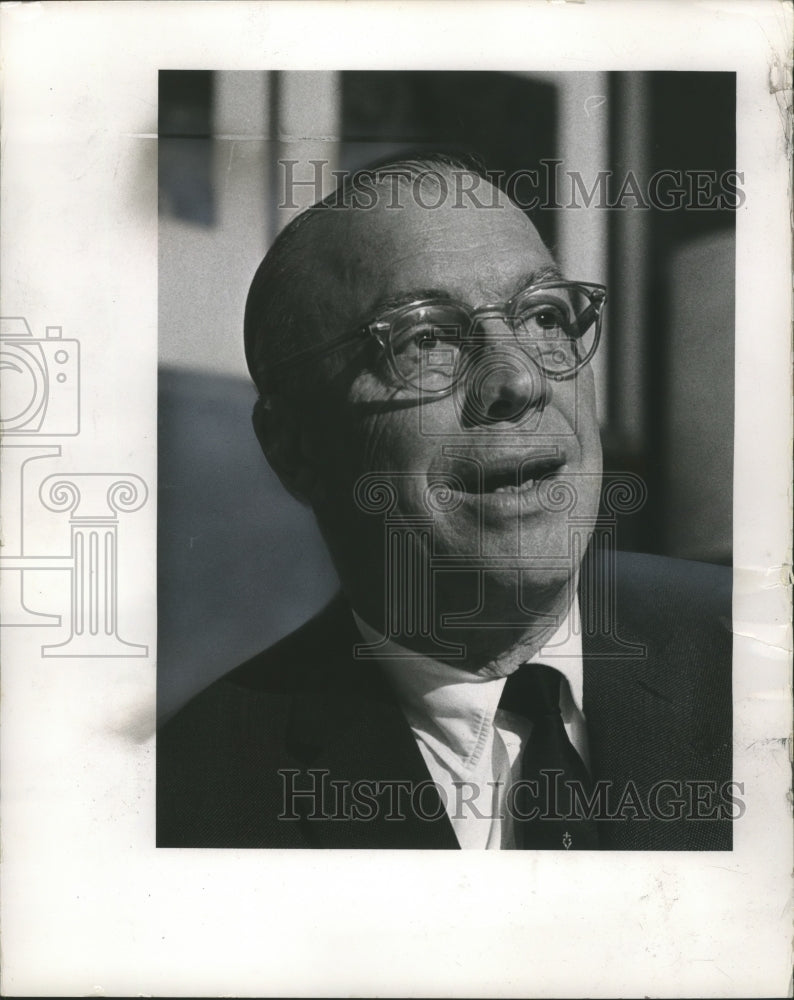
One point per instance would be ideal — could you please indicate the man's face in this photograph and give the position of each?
(510, 440)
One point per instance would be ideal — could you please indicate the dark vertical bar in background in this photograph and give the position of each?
(656, 338)
(614, 283)
(272, 177)
(184, 126)
(683, 315)
(693, 129)
(628, 412)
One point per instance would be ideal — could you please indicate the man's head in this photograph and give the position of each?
(478, 430)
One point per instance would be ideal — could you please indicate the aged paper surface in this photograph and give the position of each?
(89, 904)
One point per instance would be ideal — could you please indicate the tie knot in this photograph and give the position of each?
(533, 691)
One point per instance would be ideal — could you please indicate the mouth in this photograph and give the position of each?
(510, 477)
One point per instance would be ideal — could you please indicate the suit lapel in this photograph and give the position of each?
(638, 703)
(627, 716)
(347, 727)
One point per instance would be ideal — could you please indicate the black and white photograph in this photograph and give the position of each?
(395, 588)
(478, 426)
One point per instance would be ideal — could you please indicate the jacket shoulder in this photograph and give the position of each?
(323, 642)
(657, 592)
(680, 578)
(219, 757)
(658, 692)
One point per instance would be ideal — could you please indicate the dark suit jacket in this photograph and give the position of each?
(657, 699)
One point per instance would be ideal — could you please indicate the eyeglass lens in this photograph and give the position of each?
(556, 327)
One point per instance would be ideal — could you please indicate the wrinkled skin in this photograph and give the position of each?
(354, 419)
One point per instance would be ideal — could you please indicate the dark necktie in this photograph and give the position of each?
(550, 768)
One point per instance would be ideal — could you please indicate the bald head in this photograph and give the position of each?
(383, 232)
(330, 296)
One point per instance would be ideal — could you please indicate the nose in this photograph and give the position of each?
(503, 385)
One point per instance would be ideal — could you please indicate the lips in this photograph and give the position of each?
(508, 474)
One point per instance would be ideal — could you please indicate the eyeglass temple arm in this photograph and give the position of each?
(592, 312)
(318, 351)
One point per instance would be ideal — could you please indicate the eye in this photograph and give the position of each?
(424, 337)
(549, 319)
(431, 338)
(411, 339)
(426, 353)
(424, 342)
(543, 320)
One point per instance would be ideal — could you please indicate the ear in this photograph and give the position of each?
(283, 438)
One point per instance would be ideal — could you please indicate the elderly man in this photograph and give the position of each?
(425, 387)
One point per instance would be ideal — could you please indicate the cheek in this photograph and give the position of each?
(589, 437)
(587, 395)
(381, 473)
(386, 447)
(394, 442)
(386, 430)
(576, 400)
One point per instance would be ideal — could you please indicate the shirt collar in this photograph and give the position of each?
(458, 707)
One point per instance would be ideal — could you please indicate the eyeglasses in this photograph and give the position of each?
(429, 344)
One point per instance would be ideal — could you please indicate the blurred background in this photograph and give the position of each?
(240, 563)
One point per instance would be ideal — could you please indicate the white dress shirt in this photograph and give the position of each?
(472, 748)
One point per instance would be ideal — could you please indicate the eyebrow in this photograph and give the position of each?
(549, 273)
(403, 298)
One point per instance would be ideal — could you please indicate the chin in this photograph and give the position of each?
(504, 597)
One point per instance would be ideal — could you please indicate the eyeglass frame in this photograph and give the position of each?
(379, 330)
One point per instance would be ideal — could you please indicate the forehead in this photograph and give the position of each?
(471, 252)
